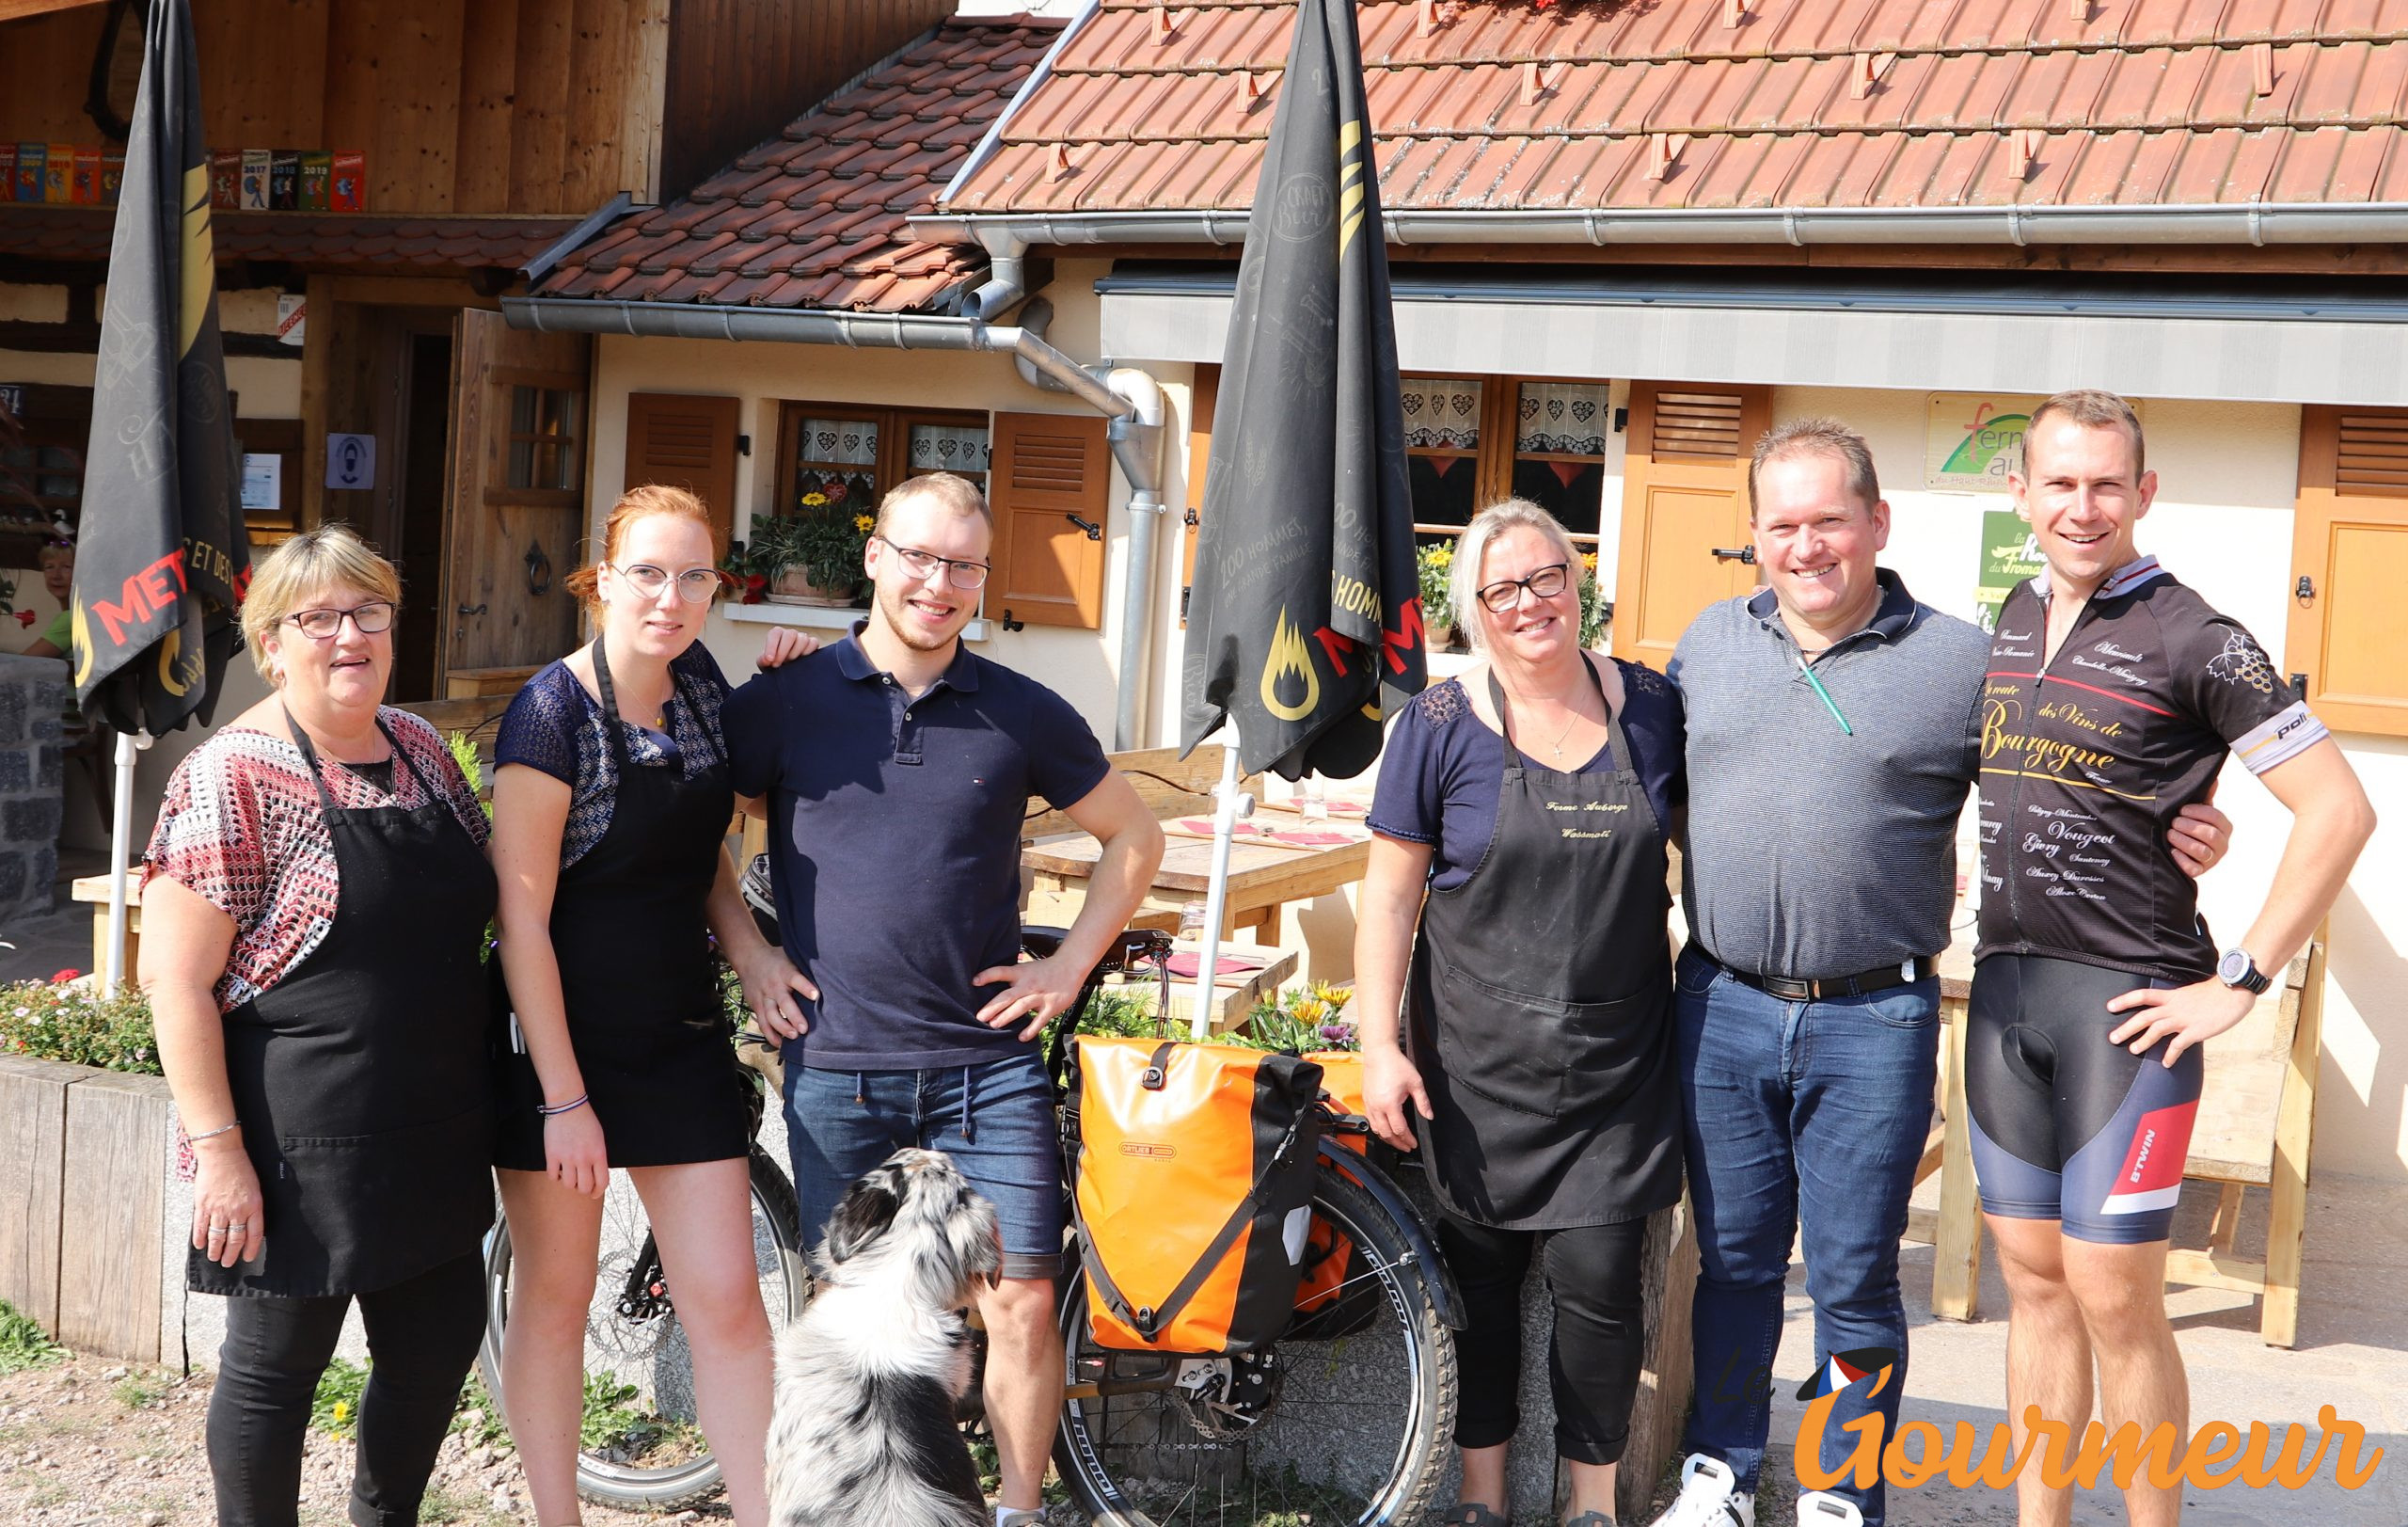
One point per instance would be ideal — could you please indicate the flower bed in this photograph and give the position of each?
(66, 1018)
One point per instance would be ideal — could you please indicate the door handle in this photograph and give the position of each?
(1744, 554)
(472, 610)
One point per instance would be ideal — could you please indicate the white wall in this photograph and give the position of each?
(2228, 477)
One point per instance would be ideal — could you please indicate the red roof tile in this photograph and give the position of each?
(815, 216)
(315, 241)
(2140, 102)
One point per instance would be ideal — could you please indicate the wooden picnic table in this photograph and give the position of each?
(1264, 876)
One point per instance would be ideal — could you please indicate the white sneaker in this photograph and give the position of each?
(1709, 1497)
(1821, 1508)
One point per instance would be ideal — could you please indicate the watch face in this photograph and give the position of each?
(2233, 968)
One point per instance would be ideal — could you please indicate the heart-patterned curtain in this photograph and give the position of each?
(949, 448)
(1563, 418)
(1441, 413)
(843, 442)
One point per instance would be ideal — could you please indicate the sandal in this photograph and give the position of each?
(1468, 1515)
(1591, 1518)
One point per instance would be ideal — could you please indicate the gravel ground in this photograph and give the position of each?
(84, 1442)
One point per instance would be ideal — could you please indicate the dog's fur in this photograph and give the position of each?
(867, 1376)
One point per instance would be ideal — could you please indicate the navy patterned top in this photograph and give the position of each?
(555, 727)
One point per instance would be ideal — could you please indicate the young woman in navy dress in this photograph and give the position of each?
(610, 806)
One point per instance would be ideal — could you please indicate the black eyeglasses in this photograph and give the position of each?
(695, 586)
(1546, 583)
(961, 575)
(320, 625)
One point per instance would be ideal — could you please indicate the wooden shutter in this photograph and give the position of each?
(2350, 541)
(1207, 394)
(1683, 496)
(686, 442)
(1048, 472)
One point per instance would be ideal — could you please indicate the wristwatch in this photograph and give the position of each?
(2237, 970)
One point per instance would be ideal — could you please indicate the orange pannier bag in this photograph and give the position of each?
(1195, 1192)
(1331, 1259)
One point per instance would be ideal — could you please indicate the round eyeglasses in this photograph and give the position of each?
(1546, 583)
(695, 586)
(320, 625)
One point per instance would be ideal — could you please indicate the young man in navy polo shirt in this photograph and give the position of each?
(899, 767)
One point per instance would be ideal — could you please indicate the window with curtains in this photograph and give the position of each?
(1471, 440)
(854, 455)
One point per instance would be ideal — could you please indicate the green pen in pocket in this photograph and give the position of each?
(1829, 703)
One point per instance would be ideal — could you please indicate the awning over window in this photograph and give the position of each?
(2273, 341)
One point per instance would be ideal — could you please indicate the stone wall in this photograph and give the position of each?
(33, 693)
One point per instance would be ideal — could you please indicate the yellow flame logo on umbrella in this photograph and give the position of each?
(1288, 659)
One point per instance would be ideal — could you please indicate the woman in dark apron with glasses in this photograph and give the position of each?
(611, 804)
(1512, 916)
(314, 904)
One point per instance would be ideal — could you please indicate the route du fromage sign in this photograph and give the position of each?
(1974, 439)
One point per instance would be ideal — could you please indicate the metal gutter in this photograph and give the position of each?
(992, 139)
(2253, 223)
(593, 223)
(1128, 397)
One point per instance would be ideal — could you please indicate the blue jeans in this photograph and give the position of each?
(996, 1120)
(1797, 1110)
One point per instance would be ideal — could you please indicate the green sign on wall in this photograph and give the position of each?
(2009, 556)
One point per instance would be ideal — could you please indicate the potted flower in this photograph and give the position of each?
(1436, 562)
(1594, 611)
(814, 555)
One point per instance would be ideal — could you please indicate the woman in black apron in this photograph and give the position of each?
(611, 802)
(1524, 842)
(316, 902)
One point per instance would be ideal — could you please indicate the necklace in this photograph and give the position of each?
(1556, 747)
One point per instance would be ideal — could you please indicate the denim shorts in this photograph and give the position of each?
(995, 1119)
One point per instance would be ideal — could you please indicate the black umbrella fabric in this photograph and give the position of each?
(1306, 605)
(163, 559)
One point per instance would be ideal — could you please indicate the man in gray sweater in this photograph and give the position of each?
(1831, 740)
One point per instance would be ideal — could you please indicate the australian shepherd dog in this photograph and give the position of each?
(865, 1434)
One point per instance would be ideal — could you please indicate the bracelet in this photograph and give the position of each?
(551, 1110)
(212, 1134)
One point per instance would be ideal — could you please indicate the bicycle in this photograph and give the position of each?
(1346, 1418)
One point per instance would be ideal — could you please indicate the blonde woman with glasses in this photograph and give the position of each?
(314, 898)
(610, 803)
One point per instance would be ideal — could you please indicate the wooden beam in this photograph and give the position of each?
(17, 9)
(2213, 1269)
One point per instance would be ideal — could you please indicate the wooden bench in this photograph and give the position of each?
(2255, 1123)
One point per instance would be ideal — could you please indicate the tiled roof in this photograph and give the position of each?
(813, 219)
(1661, 104)
(348, 241)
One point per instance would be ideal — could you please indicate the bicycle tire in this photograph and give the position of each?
(1430, 1385)
(695, 1479)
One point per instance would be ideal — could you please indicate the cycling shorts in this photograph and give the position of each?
(2067, 1124)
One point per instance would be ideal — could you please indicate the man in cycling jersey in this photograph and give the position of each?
(2112, 695)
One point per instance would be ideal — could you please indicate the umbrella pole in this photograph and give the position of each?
(120, 831)
(1231, 804)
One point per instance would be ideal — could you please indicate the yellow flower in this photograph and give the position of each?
(813, 500)
(1589, 559)
(1444, 556)
(864, 523)
(342, 1411)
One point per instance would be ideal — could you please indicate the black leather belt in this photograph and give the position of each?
(1863, 984)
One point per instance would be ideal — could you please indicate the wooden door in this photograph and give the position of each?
(514, 522)
(1684, 510)
(2349, 561)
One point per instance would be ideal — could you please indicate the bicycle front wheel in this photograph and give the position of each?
(641, 1444)
(1344, 1419)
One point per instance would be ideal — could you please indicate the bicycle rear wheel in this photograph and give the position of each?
(641, 1444)
(1344, 1419)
